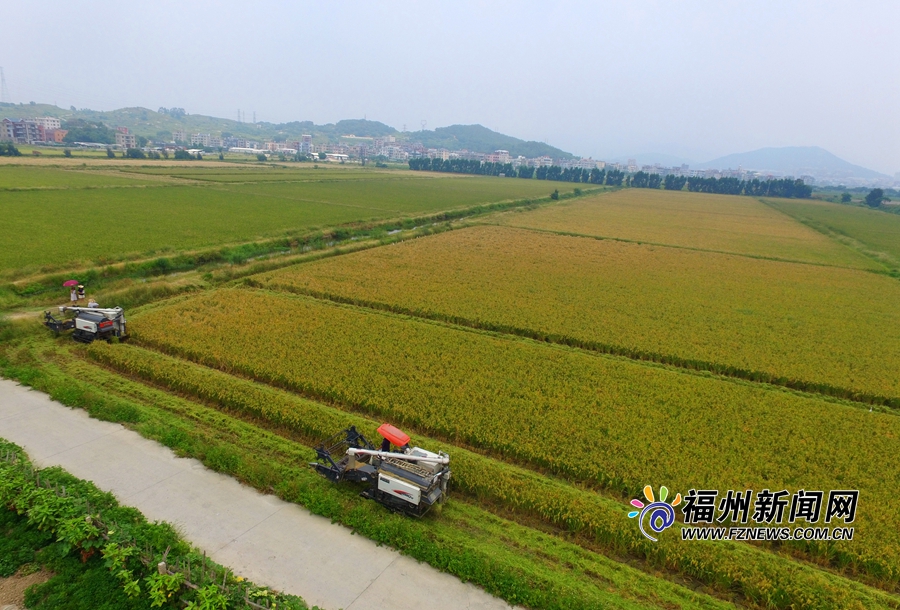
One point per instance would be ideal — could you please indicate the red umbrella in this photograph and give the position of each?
(70, 283)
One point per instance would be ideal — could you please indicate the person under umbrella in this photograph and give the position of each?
(73, 294)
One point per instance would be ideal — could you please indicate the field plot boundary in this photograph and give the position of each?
(641, 242)
(700, 221)
(852, 397)
(833, 233)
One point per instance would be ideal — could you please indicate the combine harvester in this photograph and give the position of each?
(406, 480)
(90, 323)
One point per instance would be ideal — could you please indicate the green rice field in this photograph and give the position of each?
(77, 226)
(872, 232)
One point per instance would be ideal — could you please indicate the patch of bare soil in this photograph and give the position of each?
(12, 589)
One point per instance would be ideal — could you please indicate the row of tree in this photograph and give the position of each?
(724, 186)
(553, 172)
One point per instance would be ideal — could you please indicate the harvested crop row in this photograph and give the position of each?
(816, 328)
(604, 421)
(768, 579)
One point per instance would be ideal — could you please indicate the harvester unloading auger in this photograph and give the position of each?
(406, 480)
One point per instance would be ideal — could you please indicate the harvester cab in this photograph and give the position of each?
(405, 480)
(90, 323)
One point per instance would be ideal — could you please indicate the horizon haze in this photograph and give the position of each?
(696, 81)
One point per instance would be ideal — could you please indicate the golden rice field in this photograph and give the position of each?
(821, 325)
(765, 577)
(723, 223)
(600, 420)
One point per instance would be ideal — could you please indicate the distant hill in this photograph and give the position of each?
(153, 124)
(477, 138)
(794, 161)
(160, 125)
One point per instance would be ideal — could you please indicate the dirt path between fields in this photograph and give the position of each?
(259, 536)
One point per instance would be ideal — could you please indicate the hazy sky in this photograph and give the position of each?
(694, 79)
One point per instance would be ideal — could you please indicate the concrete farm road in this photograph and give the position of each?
(258, 536)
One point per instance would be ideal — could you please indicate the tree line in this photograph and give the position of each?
(724, 186)
(553, 172)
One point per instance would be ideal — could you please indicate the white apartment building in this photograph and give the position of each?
(49, 123)
(125, 140)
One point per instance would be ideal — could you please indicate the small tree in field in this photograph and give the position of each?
(875, 197)
(67, 153)
(845, 198)
(110, 154)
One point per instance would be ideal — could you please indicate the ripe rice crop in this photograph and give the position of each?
(822, 328)
(766, 578)
(593, 419)
(721, 223)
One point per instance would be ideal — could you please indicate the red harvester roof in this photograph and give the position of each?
(395, 435)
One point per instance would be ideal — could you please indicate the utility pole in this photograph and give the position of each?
(4, 92)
